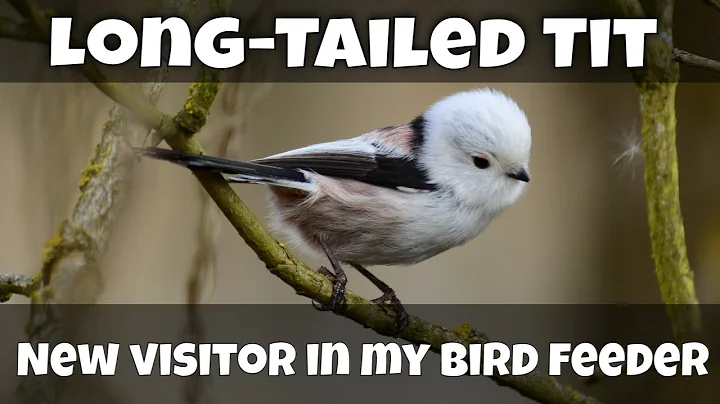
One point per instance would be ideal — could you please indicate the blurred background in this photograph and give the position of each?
(578, 235)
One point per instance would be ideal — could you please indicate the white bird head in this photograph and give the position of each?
(476, 144)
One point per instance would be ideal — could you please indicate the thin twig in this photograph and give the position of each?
(193, 117)
(691, 59)
(235, 105)
(142, 109)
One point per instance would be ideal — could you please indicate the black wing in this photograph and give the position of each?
(379, 170)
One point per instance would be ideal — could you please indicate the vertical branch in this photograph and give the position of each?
(196, 390)
(70, 270)
(203, 264)
(657, 85)
(193, 117)
(236, 99)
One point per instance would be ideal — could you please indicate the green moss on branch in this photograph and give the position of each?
(70, 266)
(193, 116)
(667, 233)
(12, 284)
(657, 86)
(201, 96)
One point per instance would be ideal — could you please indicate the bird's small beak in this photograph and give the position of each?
(520, 175)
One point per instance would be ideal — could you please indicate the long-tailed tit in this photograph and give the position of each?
(396, 195)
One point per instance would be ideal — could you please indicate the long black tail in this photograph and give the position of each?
(223, 165)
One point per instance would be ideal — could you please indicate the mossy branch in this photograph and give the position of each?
(70, 270)
(656, 85)
(13, 284)
(298, 275)
(202, 93)
(192, 117)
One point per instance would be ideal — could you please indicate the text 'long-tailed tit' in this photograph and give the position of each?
(397, 195)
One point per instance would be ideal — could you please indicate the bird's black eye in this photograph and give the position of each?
(481, 162)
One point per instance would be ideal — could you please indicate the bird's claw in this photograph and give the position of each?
(402, 320)
(327, 273)
(338, 300)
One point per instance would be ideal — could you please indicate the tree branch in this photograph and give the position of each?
(13, 284)
(691, 59)
(656, 86)
(295, 273)
(70, 270)
(193, 117)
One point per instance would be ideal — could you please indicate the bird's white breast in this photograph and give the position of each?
(370, 225)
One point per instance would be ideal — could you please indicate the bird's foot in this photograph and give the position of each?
(338, 300)
(402, 319)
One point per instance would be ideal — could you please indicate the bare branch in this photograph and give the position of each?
(144, 110)
(691, 59)
(657, 85)
(196, 390)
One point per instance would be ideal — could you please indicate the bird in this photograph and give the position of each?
(393, 196)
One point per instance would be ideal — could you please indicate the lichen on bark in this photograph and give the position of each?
(656, 84)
